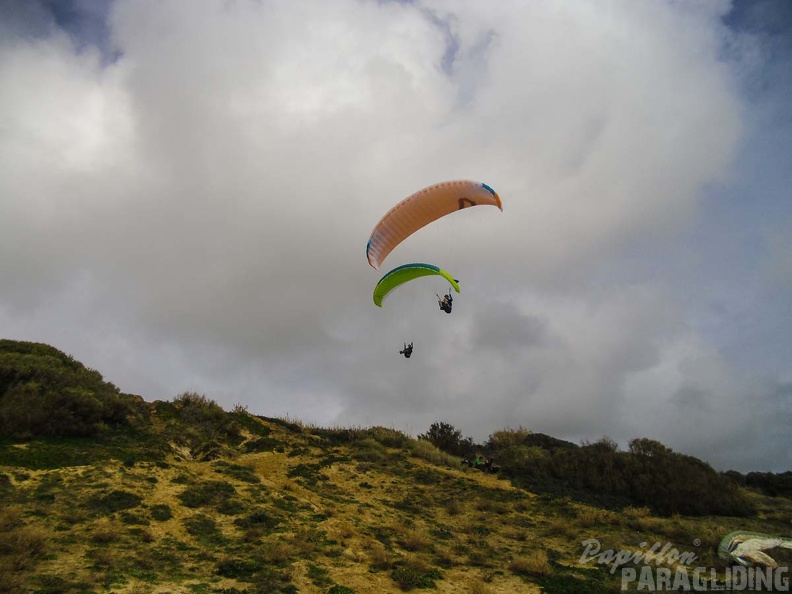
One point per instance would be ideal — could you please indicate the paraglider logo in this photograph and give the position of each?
(637, 571)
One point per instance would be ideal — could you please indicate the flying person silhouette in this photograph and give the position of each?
(446, 303)
(407, 350)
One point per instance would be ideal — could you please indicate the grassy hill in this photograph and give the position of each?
(182, 496)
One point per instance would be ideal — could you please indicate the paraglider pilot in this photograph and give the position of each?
(446, 302)
(407, 350)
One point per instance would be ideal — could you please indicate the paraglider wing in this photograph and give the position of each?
(420, 209)
(747, 548)
(404, 274)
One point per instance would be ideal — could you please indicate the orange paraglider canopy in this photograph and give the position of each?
(420, 209)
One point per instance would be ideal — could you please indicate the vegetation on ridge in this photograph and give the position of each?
(182, 496)
(46, 393)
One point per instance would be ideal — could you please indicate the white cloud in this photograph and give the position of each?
(192, 213)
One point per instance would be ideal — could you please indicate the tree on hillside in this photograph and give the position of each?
(447, 438)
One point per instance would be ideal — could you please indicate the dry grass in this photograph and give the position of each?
(633, 513)
(460, 548)
(485, 505)
(379, 558)
(32, 542)
(478, 586)
(642, 520)
(277, 553)
(586, 517)
(10, 518)
(254, 533)
(297, 424)
(304, 542)
(74, 515)
(444, 558)
(453, 507)
(561, 527)
(654, 525)
(414, 540)
(517, 534)
(782, 517)
(678, 529)
(105, 531)
(346, 532)
(536, 564)
(476, 527)
(22, 547)
(10, 579)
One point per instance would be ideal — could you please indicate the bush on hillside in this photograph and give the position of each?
(649, 474)
(525, 437)
(199, 423)
(447, 438)
(46, 393)
(431, 453)
(770, 483)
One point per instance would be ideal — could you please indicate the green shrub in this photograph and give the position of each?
(238, 568)
(415, 574)
(769, 483)
(319, 576)
(259, 519)
(53, 584)
(447, 438)
(201, 424)
(519, 458)
(429, 452)
(131, 519)
(243, 473)
(369, 450)
(161, 512)
(46, 393)
(273, 579)
(570, 584)
(311, 473)
(204, 529)
(114, 501)
(262, 444)
(207, 494)
(506, 438)
(649, 474)
(390, 438)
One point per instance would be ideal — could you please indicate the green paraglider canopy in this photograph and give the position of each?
(403, 274)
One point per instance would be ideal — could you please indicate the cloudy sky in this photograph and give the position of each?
(187, 189)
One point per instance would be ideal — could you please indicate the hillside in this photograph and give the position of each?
(183, 496)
